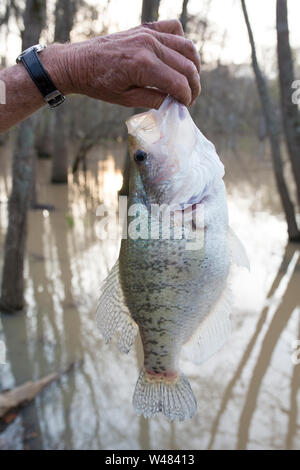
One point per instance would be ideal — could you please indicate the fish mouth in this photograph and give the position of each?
(146, 126)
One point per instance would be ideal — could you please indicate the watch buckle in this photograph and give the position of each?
(51, 96)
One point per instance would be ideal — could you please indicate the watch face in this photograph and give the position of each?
(37, 48)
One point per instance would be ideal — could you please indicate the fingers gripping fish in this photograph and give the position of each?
(174, 296)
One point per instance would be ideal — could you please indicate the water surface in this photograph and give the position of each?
(248, 393)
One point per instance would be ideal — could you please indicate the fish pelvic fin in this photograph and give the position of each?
(112, 315)
(237, 251)
(173, 398)
(213, 332)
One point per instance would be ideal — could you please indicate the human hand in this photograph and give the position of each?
(120, 68)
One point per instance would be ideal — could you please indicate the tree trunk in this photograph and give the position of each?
(294, 234)
(150, 9)
(290, 112)
(44, 141)
(60, 159)
(64, 18)
(34, 19)
(183, 16)
(12, 294)
(12, 297)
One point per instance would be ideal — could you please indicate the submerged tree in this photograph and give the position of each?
(12, 294)
(272, 129)
(290, 112)
(65, 11)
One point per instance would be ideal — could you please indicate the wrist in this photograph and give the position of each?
(77, 61)
(55, 61)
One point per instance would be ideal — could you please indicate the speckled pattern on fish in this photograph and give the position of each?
(175, 296)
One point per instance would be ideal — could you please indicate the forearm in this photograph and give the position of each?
(136, 68)
(22, 97)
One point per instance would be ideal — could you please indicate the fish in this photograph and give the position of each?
(174, 290)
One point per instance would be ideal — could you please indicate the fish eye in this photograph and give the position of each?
(140, 156)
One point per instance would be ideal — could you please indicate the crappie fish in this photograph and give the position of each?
(175, 296)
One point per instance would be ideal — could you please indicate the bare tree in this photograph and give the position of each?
(198, 27)
(11, 9)
(290, 112)
(184, 15)
(65, 11)
(272, 128)
(12, 295)
(5, 16)
(44, 133)
(150, 12)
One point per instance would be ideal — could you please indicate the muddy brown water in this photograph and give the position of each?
(248, 394)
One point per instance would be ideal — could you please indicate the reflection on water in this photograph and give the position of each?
(248, 394)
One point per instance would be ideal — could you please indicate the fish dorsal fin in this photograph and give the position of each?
(237, 251)
(112, 314)
(213, 332)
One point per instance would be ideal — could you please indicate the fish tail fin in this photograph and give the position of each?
(172, 397)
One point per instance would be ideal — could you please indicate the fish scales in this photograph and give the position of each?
(157, 276)
(173, 294)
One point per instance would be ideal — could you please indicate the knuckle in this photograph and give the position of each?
(190, 68)
(177, 25)
(146, 39)
(189, 45)
(180, 83)
(195, 73)
(153, 42)
(191, 73)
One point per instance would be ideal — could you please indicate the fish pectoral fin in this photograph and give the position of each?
(112, 314)
(213, 332)
(237, 251)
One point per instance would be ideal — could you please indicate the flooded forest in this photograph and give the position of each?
(66, 387)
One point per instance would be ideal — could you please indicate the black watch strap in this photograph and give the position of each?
(40, 77)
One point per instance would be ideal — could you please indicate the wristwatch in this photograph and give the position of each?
(35, 68)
